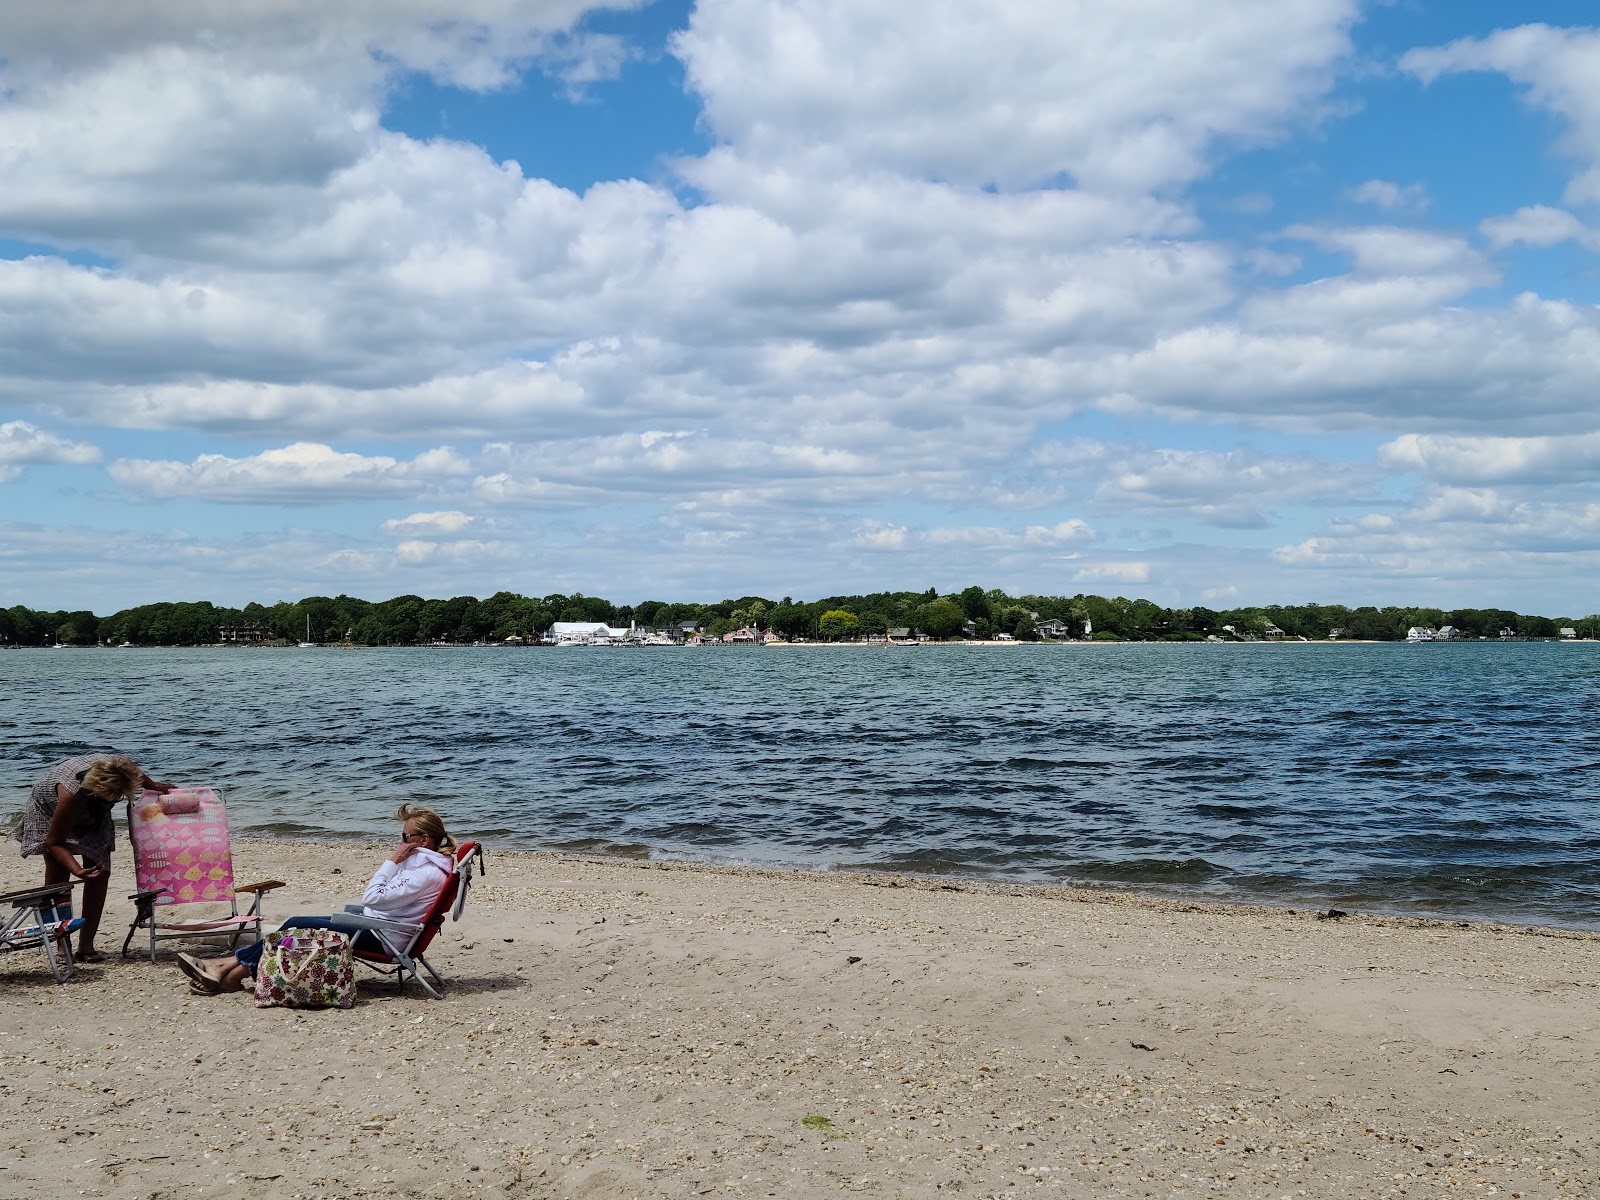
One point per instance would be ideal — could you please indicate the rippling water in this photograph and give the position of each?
(1436, 779)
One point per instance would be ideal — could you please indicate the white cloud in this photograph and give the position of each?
(416, 551)
(429, 524)
(1529, 366)
(1451, 541)
(1449, 459)
(1558, 68)
(1238, 488)
(831, 338)
(470, 43)
(302, 473)
(1114, 572)
(1391, 196)
(1122, 97)
(24, 444)
(1538, 225)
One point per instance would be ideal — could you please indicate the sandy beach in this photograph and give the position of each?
(618, 1029)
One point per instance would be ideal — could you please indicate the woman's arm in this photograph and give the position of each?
(148, 784)
(69, 805)
(396, 888)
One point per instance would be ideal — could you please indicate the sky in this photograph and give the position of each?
(1251, 302)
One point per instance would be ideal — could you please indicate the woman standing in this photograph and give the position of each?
(68, 818)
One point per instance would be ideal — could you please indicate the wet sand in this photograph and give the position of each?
(617, 1029)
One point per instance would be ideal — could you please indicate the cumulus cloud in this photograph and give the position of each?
(23, 444)
(1557, 69)
(1538, 225)
(1572, 458)
(303, 473)
(470, 43)
(1079, 94)
(921, 234)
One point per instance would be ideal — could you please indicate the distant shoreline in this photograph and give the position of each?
(982, 642)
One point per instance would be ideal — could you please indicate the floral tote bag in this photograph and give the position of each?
(306, 968)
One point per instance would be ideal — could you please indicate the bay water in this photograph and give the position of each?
(1451, 780)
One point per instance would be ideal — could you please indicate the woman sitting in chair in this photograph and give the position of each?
(403, 889)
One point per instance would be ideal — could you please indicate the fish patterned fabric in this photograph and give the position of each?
(180, 842)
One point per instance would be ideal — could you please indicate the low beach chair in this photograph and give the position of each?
(182, 859)
(415, 939)
(42, 916)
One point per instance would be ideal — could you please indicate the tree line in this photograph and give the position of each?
(974, 611)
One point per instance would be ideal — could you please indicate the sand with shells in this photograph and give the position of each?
(616, 1029)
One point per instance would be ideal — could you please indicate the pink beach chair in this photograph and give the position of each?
(182, 859)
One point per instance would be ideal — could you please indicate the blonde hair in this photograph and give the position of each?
(112, 779)
(429, 823)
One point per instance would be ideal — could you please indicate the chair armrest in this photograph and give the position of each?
(355, 908)
(349, 920)
(266, 885)
(141, 897)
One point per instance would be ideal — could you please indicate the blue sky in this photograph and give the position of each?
(1271, 301)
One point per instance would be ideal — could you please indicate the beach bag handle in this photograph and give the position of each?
(306, 968)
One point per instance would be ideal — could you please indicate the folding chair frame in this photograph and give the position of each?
(233, 926)
(36, 921)
(415, 938)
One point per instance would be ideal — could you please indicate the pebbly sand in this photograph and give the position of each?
(615, 1029)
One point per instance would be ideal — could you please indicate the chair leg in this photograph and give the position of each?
(409, 965)
(57, 953)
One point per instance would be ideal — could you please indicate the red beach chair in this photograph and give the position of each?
(414, 939)
(182, 858)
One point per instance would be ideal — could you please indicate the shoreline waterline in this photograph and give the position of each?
(1175, 901)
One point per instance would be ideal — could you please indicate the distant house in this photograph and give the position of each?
(746, 636)
(244, 634)
(1272, 633)
(1421, 633)
(1052, 627)
(584, 633)
(683, 629)
(1567, 631)
(1447, 633)
(901, 633)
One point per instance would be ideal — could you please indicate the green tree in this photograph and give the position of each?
(837, 624)
(939, 618)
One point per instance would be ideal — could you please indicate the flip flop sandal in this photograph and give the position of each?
(198, 977)
(89, 956)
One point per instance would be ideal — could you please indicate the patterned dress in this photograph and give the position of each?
(95, 835)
